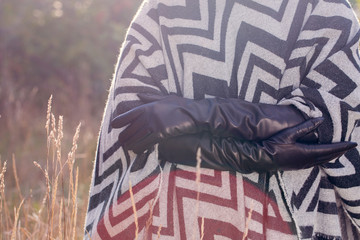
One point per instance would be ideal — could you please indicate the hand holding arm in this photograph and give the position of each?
(173, 116)
(280, 152)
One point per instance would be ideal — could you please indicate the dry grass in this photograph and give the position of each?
(134, 211)
(56, 216)
(248, 221)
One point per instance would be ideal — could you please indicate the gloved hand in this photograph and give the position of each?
(163, 117)
(280, 152)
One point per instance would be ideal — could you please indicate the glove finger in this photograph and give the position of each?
(136, 138)
(127, 134)
(310, 138)
(292, 134)
(327, 152)
(140, 146)
(124, 119)
(148, 98)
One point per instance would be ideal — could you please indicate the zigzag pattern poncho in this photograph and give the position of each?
(300, 52)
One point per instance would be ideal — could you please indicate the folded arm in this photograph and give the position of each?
(280, 152)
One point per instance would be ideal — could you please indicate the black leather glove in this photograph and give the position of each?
(280, 152)
(173, 116)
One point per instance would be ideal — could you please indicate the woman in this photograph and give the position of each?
(271, 66)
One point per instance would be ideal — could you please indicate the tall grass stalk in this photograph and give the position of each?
(16, 177)
(4, 220)
(134, 211)
(248, 219)
(197, 181)
(17, 214)
(55, 216)
(159, 232)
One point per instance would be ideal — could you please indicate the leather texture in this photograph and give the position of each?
(280, 152)
(170, 116)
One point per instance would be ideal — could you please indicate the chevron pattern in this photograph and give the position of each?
(175, 208)
(303, 53)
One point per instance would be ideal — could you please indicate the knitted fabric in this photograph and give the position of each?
(300, 52)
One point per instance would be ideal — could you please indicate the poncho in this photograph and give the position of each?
(299, 52)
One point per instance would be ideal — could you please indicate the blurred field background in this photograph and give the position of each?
(64, 48)
(67, 49)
